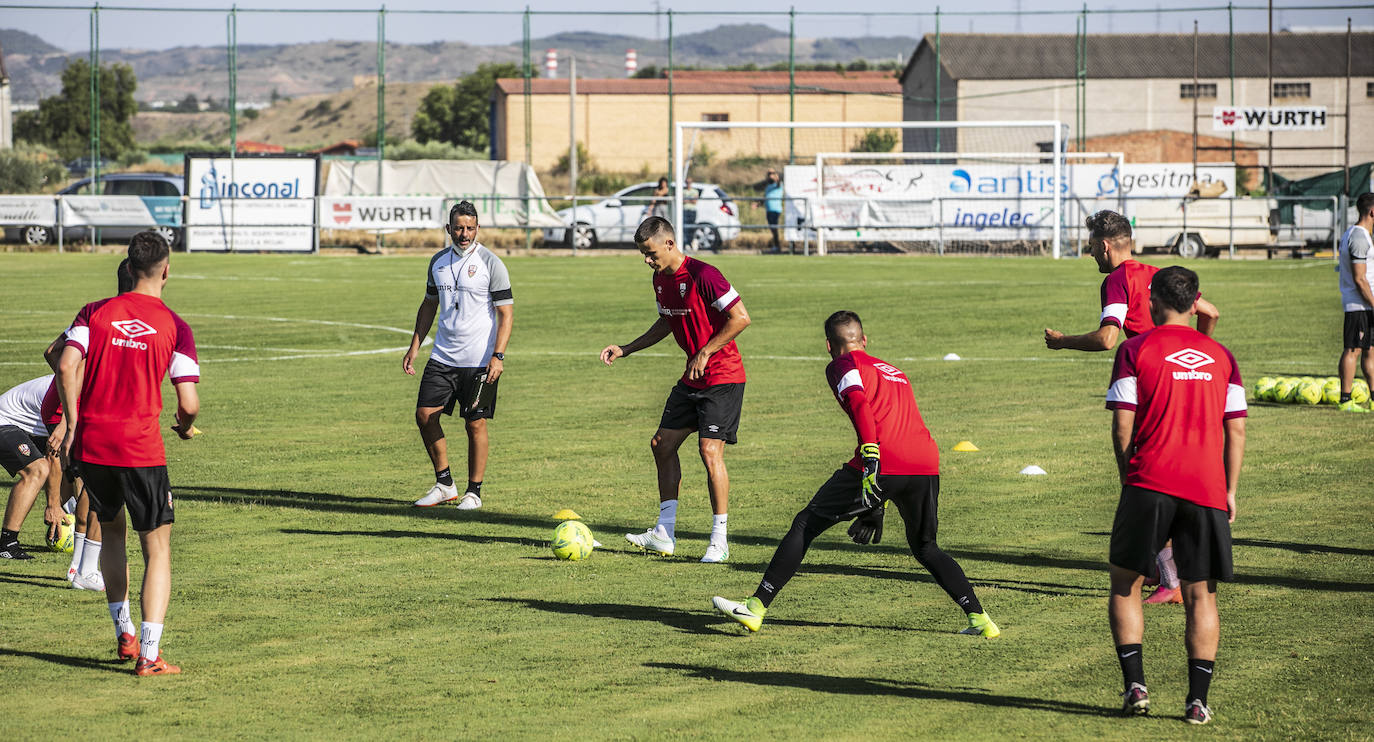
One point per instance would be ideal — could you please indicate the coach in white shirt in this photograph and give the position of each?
(1356, 268)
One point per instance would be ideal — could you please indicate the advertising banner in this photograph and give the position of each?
(381, 213)
(121, 211)
(28, 210)
(251, 202)
(506, 194)
(1268, 118)
(1003, 201)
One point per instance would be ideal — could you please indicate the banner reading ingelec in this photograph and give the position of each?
(260, 203)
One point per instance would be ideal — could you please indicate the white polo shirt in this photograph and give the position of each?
(469, 286)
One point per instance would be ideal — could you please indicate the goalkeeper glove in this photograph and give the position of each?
(869, 526)
(869, 494)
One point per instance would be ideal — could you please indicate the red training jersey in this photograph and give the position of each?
(130, 342)
(1126, 297)
(878, 398)
(694, 300)
(1183, 386)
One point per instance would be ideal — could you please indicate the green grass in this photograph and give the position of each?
(309, 600)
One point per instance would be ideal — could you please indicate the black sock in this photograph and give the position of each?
(8, 537)
(1345, 398)
(1199, 679)
(475, 487)
(1132, 666)
(444, 477)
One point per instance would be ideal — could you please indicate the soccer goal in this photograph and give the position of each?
(947, 187)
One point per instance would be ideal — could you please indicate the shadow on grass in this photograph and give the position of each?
(85, 663)
(1293, 581)
(1295, 546)
(35, 580)
(692, 622)
(918, 574)
(880, 687)
(465, 537)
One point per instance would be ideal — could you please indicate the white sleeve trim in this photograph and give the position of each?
(849, 381)
(81, 335)
(1114, 311)
(183, 366)
(724, 301)
(1235, 398)
(1123, 391)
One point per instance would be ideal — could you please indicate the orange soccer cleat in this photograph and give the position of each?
(128, 647)
(159, 666)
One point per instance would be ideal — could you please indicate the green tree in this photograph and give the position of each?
(63, 121)
(876, 140)
(459, 114)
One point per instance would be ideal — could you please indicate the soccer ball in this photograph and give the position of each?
(1359, 391)
(1310, 392)
(1331, 391)
(572, 541)
(1264, 388)
(1285, 389)
(66, 535)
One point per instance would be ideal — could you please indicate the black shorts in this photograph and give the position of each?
(917, 497)
(18, 449)
(1359, 329)
(1146, 520)
(773, 217)
(450, 387)
(713, 411)
(145, 490)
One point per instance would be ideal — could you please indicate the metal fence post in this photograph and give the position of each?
(939, 226)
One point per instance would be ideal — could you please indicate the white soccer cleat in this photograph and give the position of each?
(469, 502)
(716, 553)
(655, 539)
(748, 613)
(438, 495)
(93, 581)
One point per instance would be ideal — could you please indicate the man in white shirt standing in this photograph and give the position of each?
(1356, 269)
(469, 289)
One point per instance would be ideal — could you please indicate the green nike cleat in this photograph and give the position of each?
(749, 613)
(981, 623)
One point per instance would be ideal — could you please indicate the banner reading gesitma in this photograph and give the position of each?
(255, 203)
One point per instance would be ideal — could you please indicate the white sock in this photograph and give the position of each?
(718, 527)
(149, 639)
(80, 544)
(120, 613)
(90, 558)
(667, 516)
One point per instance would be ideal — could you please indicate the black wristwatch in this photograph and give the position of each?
(499, 356)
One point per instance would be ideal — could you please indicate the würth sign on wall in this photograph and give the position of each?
(1266, 118)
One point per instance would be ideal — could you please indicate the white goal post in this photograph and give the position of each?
(1050, 132)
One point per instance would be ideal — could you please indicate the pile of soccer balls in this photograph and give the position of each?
(1308, 390)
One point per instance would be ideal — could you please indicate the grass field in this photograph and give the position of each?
(310, 601)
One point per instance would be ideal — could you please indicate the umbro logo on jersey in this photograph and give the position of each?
(1192, 360)
(132, 328)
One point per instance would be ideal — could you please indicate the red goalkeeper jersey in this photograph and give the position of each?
(880, 403)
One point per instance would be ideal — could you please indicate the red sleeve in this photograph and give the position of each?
(861, 414)
(714, 289)
(185, 365)
(79, 334)
(1116, 298)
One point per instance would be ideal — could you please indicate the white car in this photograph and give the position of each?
(710, 222)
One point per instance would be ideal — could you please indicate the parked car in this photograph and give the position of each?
(1193, 228)
(158, 190)
(713, 221)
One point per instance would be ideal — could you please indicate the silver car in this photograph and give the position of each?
(711, 218)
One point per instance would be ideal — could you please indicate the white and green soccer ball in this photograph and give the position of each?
(1285, 389)
(1264, 387)
(1331, 391)
(572, 541)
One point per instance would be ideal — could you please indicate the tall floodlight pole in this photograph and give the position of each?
(381, 94)
(95, 96)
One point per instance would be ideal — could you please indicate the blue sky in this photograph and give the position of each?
(163, 29)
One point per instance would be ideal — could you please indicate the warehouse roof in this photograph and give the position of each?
(717, 82)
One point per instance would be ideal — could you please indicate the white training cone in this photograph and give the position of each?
(952, 357)
(1033, 470)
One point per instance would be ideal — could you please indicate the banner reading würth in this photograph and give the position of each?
(1268, 118)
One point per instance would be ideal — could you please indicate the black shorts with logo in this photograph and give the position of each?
(713, 411)
(145, 490)
(1146, 519)
(453, 388)
(1359, 329)
(18, 449)
(917, 497)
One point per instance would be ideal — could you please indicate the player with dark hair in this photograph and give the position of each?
(703, 312)
(111, 408)
(1125, 297)
(1178, 432)
(1355, 264)
(896, 460)
(468, 287)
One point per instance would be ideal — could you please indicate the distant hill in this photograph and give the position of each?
(293, 70)
(14, 41)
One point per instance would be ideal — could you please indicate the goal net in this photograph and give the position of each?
(945, 187)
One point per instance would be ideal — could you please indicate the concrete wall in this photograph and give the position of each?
(630, 133)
